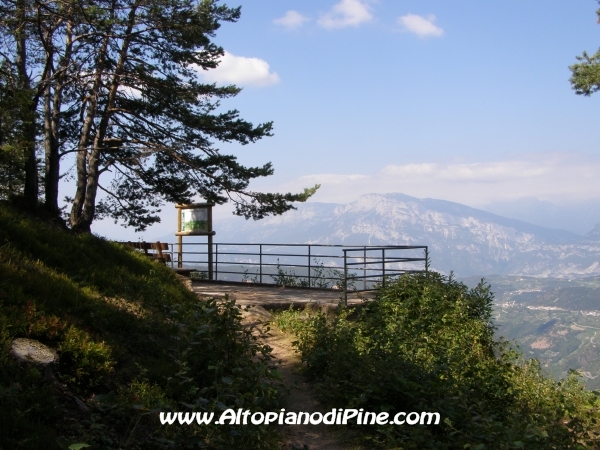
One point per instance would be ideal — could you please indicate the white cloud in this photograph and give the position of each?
(420, 25)
(242, 71)
(554, 177)
(346, 13)
(470, 173)
(291, 20)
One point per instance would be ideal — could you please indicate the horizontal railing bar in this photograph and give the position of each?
(350, 248)
(364, 277)
(268, 264)
(360, 263)
(275, 276)
(241, 263)
(384, 260)
(299, 255)
(289, 255)
(400, 247)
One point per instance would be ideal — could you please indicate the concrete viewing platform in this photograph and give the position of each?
(276, 297)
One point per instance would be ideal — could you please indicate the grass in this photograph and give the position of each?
(132, 340)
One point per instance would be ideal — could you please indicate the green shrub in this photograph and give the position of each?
(426, 343)
(83, 361)
(222, 365)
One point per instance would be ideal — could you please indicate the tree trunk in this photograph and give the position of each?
(52, 125)
(79, 223)
(28, 130)
(87, 213)
(51, 149)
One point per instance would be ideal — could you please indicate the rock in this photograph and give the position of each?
(32, 351)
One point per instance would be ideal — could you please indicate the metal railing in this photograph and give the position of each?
(356, 268)
(368, 256)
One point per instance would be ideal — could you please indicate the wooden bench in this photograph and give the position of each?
(156, 250)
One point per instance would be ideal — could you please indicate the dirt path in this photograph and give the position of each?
(301, 397)
(274, 297)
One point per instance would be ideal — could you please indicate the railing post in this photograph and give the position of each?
(309, 266)
(180, 252)
(365, 268)
(216, 262)
(260, 261)
(345, 279)
(210, 257)
(383, 267)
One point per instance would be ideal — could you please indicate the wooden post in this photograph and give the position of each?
(179, 252)
(210, 245)
(179, 241)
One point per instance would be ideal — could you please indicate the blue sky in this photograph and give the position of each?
(467, 101)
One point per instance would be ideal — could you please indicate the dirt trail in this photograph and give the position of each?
(301, 396)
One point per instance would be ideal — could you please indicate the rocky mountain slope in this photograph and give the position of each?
(466, 240)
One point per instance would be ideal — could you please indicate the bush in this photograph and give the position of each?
(83, 361)
(426, 343)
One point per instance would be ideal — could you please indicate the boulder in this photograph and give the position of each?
(32, 351)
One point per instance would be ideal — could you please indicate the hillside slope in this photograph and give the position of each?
(132, 341)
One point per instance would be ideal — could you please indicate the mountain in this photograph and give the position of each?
(577, 216)
(465, 240)
(594, 233)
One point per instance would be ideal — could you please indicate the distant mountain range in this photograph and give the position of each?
(576, 216)
(466, 240)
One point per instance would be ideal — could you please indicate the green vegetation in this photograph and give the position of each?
(585, 79)
(427, 344)
(320, 277)
(132, 341)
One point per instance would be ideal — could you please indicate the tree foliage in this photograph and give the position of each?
(116, 84)
(586, 73)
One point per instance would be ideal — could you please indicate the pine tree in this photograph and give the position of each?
(586, 73)
(120, 89)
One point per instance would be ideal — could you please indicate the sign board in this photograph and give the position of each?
(195, 219)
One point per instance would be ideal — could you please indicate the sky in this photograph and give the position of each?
(466, 101)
